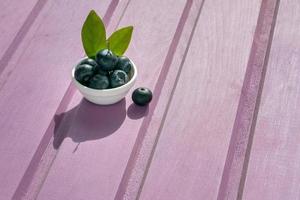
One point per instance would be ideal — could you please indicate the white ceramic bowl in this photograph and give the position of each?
(106, 96)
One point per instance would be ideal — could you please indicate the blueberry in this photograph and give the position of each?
(124, 64)
(106, 59)
(89, 61)
(83, 73)
(142, 96)
(99, 82)
(118, 78)
(93, 63)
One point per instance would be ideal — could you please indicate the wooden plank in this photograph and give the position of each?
(242, 132)
(33, 85)
(274, 166)
(192, 147)
(96, 153)
(148, 134)
(16, 19)
(227, 189)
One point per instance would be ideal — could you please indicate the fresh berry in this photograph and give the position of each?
(83, 73)
(89, 61)
(106, 59)
(101, 71)
(124, 64)
(142, 96)
(99, 82)
(118, 78)
(93, 63)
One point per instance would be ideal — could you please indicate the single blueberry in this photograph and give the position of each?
(99, 82)
(83, 73)
(106, 59)
(124, 64)
(95, 65)
(142, 96)
(118, 78)
(89, 61)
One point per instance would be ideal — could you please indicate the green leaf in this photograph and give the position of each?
(119, 40)
(93, 34)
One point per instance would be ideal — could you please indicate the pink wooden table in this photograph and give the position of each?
(224, 122)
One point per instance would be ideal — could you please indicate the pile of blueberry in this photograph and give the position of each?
(105, 71)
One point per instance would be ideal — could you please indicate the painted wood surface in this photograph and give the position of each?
(191, 151)
(107, 139)
(33, 84)
(274, 166)
(149, 132)
(244, 123)
(16, 19)
(205, 62)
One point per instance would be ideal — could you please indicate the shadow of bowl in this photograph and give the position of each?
(93, 122)
(88, 121)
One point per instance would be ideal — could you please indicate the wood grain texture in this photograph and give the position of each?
(100, 139)
(46, 152)
(34, 82)
(274, 166)
(192, 148)
(16, 19)
(133, 176)
(233, 177)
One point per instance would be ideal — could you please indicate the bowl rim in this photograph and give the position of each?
(110, 89)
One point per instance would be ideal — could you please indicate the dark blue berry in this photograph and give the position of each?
(99, 82)
(106, 60)
(89, 61)
(118, 78)
(124, 64)
(93, 63)
(142, 96)
(83, 73)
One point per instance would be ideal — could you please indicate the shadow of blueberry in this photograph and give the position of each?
(137, 112)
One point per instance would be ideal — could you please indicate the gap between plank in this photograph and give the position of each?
(235, 168)
(28, 177)
(35, 161)
(257, 106)
(21, 34)
(122, 15)
(123, 187)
